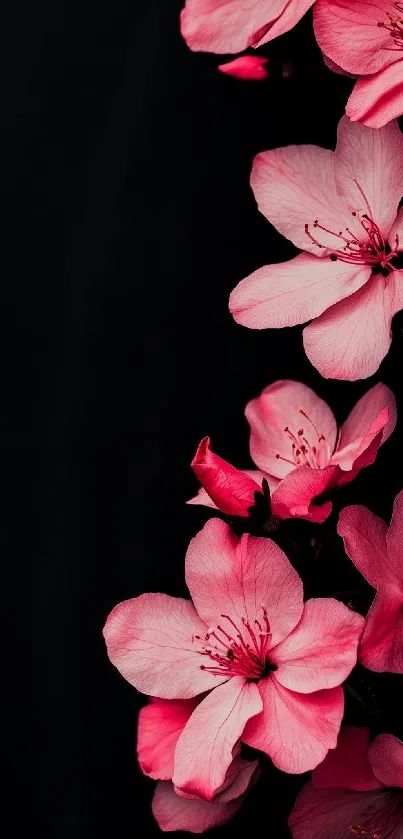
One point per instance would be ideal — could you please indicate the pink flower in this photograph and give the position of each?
(226, 26)
(376, 551)
(356, 792)
(299, 451)
(252, 67)
(161, 723)
(271, 666)
(365, 40)
(342, 209)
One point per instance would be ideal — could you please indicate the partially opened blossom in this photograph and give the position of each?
(365, 39)
(356, 792)
(341, 209)
(251, 67)
(160, 724)
(299, 450)
(271, 667)
(226, 26)
(376, 551)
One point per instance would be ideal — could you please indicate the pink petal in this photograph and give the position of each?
(330, 814)
(232, 25)
(294, 729)
(204, 750)
(364, 536)
(172, 812)
(232, 491)
(159, 726)
(289, 293)
(350, 340)
(382, 644)
(347, 766)
(224, 574)
(395, 237)
(241, 774)
(369, 170)
(150, 640)
(294, 186)
(394, 541)
(203, 499)
(278, 407)
(336, 67)
(295, 493)
(339, 24)
(377, 99)
(255, 475)
(386, 758)
(363, 452)
(364, 423)
(251, 67)
(322, 650)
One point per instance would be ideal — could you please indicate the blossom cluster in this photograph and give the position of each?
(247, 660)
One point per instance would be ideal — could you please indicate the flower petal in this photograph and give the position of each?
(293, 292)
(340, 23)
(364, 423)
(386, 758)
(150, 640)
(350, 340)
(377, 99)
(231, 489)
(173, 812)
(294, 186)
(294, 729)
(204, 749)
(382, 643)
(240, 577)
(287, 405)
(159, 726)
(295, 493)
(251, 67)
(364, 536)
(241, 774)
(347, 766)
(394, 541)
(322, 650)
(225, 26)
(369, 170)
(330, 813)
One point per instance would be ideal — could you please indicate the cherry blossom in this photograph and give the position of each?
(341, 209)
(376, 551)
(252, 67)
(299, 450)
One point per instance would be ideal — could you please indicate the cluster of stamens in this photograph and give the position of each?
(373, 250)
(316, 455)
(383, 823)
(238, 650)
(395, 25)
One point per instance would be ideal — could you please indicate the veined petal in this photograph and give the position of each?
(377, 99)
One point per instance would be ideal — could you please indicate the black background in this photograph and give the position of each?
(128, 219)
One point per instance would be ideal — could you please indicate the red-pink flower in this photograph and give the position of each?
(251, 67)
(356, 792)
(160, 724)
(376, 551)
(299, 451)
(365, 39)
(225, 26)
(341, 208)
(271, 666)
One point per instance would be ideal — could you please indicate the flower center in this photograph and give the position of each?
(238, 650)
(381, 820)
(395, 25)
(304, 452)
(370, 250)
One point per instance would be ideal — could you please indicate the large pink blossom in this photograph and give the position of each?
(272, 667)
(356, 792)
(226, 26)
(341, 208)
(376, 551)
(365, 39)
(160, 725)
(299, 451)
